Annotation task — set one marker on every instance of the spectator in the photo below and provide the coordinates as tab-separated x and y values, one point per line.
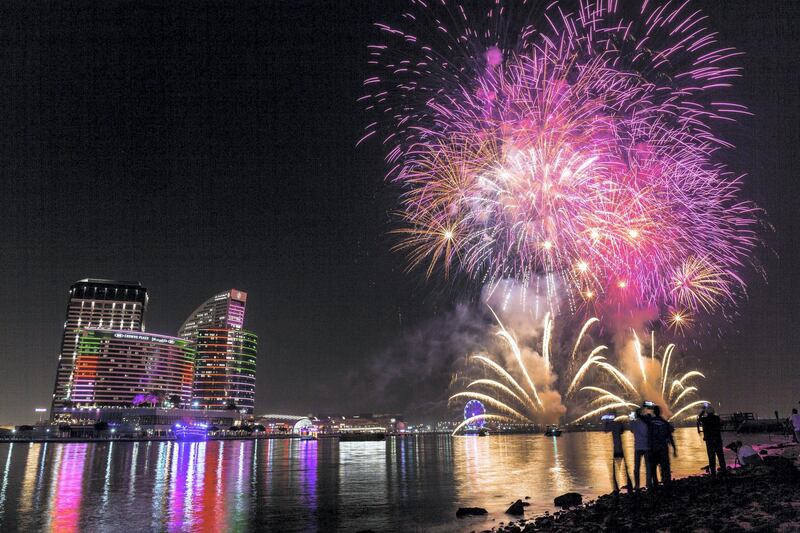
712	434
795	420
641	448
659	439
618	462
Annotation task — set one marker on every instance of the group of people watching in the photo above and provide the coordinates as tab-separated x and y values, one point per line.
652	438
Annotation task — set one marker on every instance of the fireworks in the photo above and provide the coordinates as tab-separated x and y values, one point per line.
579	149
513	400
606	386
671	391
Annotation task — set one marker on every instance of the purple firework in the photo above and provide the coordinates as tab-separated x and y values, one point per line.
578	149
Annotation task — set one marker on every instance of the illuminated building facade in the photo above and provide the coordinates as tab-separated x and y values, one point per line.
101	304
224	310
121	368
225	369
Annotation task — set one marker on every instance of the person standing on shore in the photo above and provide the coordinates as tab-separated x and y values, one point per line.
795	420
618	462
641	448
712	434
660	438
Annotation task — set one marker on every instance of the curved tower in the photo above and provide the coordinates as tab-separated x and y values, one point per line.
223	310
225	364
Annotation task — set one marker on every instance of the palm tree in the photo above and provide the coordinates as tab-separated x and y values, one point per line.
175	400
156	397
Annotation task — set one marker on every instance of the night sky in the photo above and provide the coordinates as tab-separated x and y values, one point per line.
201	147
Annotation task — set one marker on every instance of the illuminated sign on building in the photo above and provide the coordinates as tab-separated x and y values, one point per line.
139	337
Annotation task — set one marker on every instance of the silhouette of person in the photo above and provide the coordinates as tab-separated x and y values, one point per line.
660	438
618	462
641	447
712	434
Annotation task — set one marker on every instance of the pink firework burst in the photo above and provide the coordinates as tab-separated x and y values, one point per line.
578	148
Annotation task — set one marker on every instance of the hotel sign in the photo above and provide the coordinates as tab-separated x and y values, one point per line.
141	337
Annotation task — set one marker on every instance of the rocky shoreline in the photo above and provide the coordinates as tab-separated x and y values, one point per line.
765	497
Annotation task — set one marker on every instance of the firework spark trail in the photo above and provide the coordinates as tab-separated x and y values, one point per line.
638	347
504	334
585	327
516	404
632	396
508	377
579	148
486	399
592	359
515	400
476	418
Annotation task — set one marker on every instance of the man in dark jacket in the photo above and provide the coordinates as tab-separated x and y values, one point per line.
712	434
660	438
618	462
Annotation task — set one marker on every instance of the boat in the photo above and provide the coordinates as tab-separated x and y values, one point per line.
552	431
356	436
190	432
308	435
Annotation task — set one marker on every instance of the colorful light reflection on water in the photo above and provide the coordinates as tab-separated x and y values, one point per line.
290	485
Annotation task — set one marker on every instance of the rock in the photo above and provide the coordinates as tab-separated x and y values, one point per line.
527	497
516	508
526	504
782	468
570	499
470	511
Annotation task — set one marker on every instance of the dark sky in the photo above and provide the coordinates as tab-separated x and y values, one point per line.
201	147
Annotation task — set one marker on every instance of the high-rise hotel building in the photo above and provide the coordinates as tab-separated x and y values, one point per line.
114	367
95	304
225	362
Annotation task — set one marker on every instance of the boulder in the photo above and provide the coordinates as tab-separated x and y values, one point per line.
570	499
470	511
517	508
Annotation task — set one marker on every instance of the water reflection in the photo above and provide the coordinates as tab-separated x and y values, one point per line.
67	488
411	483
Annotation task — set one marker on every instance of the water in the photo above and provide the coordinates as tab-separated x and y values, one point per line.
404	484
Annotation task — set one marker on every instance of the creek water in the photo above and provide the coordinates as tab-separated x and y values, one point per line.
413	483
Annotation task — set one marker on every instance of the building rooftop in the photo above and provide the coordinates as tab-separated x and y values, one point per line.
109	282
